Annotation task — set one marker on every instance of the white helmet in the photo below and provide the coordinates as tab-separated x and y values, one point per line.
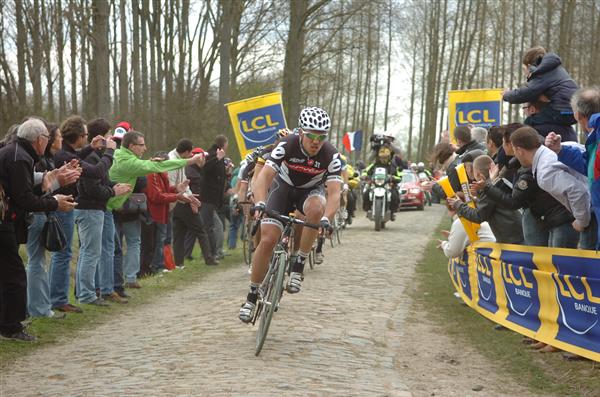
314	119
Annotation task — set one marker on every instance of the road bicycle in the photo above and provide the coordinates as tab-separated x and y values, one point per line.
270	290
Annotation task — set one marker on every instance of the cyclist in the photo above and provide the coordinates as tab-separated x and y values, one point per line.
294	177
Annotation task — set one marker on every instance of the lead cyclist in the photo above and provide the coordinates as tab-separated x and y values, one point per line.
294	178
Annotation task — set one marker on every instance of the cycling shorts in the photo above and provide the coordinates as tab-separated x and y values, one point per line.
285	199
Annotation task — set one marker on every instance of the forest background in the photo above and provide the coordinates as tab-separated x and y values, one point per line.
169	66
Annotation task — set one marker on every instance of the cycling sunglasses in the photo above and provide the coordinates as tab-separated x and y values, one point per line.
312	136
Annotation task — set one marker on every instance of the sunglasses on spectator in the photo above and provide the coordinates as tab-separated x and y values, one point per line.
315	137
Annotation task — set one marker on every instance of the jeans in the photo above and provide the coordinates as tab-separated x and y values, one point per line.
60	265
534	232
13	284
132	231
158	259
563	236
89	224
589	237
38	287
208	215
106	265
118	281
236	221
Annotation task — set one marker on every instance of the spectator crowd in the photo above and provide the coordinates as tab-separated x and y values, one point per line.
85	187
533	183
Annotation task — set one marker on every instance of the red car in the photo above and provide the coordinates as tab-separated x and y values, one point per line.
411	193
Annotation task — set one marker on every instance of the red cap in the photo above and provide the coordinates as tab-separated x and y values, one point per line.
120	130
197	150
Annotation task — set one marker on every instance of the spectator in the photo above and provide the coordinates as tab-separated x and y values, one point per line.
17	161
504	222
38	285
507	164
74	132
457	237
213	189
466	144
564	183
187	219
546	222
160	195
530	109
586	106
118	280
494	142
547	81
89	217
127	167
479	135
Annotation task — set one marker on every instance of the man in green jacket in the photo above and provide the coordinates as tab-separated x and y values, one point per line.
126	168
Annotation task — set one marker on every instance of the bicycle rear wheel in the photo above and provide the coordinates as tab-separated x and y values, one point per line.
270	300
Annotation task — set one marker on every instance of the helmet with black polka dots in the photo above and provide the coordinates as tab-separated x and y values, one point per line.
314	119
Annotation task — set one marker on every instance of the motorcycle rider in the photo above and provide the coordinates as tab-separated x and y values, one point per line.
383	160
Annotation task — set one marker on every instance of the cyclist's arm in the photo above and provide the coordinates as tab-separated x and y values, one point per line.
334	189
257	168
263	181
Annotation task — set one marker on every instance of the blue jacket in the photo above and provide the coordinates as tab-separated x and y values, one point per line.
584	161
548	78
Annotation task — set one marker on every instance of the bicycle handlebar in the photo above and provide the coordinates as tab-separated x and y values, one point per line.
287	219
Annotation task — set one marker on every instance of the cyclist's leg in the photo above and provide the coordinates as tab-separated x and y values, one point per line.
270	232
312	204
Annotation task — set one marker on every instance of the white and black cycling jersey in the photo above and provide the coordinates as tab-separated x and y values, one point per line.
296	168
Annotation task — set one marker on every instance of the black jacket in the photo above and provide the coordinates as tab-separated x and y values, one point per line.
17	162
504	221
566	132
93	193
213	185
548	78
194	173
461	152
527	194
99	170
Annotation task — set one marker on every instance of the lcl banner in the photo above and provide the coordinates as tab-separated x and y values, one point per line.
480	108
256	121
549	294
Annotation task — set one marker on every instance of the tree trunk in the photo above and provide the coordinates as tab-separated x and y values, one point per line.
123	81
225	65
21	51
294	51
101	58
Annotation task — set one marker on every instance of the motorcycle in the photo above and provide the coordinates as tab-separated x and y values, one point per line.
380	194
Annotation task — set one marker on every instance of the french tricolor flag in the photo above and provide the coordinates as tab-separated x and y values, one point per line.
352	141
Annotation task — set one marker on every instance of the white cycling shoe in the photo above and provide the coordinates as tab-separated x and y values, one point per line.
295	283
247	311
319	257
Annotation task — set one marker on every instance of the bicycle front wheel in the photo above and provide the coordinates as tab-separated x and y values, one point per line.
271	300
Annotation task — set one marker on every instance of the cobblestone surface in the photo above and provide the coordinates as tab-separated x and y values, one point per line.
342	335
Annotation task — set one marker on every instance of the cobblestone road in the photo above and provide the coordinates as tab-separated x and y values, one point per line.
343	335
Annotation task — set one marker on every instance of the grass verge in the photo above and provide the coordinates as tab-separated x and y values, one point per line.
543	373
49	331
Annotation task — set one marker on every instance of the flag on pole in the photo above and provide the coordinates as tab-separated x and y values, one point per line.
352	141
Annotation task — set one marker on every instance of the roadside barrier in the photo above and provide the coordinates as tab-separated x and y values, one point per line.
548	294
